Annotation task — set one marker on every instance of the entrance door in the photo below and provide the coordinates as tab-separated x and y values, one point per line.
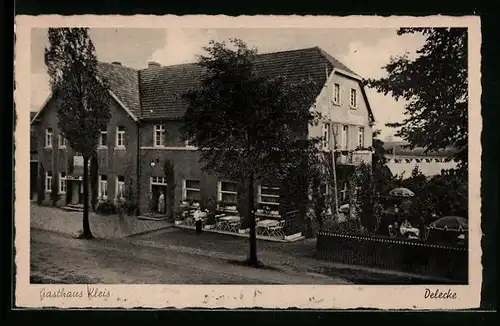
158	187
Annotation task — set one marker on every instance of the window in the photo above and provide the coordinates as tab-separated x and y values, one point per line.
227	192
103	138
353	98
159	180
48	181
343	193
344	137
120	136
336	93
103	186
61	141
120	187
62	182
324	189
269	196
361	137
159	136
48	137
191	190
326	136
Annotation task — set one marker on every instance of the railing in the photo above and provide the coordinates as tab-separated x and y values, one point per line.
354	157
406	256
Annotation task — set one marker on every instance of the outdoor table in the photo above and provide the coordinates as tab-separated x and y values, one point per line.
227	220
265	224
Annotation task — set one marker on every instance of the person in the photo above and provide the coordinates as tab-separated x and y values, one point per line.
161	203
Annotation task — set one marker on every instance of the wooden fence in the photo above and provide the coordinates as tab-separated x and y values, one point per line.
406	256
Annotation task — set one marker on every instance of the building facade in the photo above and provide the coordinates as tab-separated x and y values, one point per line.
402	160
145	132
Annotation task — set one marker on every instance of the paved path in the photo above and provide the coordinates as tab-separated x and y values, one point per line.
56	258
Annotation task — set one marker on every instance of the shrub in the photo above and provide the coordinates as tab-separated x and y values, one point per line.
106	208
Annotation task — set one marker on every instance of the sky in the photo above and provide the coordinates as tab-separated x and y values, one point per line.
363	50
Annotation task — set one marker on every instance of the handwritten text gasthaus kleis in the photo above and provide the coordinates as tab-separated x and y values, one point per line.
90	292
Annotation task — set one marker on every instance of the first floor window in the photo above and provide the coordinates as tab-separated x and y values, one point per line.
103	186
227	192
62	182
343	193
269	196
336	93
354	98
361	137
191	190
48	181
344	136
120	136
326	136
159	181
48	137
103	138
120	187
62	141
159	136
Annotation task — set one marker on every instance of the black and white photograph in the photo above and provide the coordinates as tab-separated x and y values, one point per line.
326	158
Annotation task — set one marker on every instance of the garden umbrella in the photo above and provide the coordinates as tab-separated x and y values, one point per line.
450	223
401	192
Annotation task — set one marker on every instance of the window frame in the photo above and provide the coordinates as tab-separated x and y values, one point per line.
117	188
118	133
327	138
48	137
159	128
345	137
355	105
63	181
100	183
48	181
185	189
103	132
337	100
260	195
220	192
61	141
361	137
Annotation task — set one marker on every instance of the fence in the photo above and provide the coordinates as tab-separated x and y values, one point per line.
406	256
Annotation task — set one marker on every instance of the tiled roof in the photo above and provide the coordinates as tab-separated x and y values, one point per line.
123	82
162	87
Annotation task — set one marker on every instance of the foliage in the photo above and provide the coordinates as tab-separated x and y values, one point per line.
435	86
82	96
41	185
106	208
129	204
382	175
248	125
94	179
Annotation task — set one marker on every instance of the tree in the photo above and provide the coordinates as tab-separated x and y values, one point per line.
435	86
247	125
82	97
382	175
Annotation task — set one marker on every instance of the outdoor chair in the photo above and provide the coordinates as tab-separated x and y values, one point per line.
277	230
218	223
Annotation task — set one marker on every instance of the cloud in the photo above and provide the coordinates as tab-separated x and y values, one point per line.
40	90
368	60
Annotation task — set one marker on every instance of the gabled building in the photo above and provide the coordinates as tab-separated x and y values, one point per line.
144	131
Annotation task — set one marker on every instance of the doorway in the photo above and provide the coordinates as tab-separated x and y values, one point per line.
158	187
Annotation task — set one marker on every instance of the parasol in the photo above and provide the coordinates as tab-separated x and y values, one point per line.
450	223
401	192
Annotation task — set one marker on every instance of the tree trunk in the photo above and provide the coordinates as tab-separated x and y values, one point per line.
87	234
252	259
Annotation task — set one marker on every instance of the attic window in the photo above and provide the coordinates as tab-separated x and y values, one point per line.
353	99
336	93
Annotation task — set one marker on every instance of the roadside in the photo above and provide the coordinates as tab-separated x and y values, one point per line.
57	258
297	257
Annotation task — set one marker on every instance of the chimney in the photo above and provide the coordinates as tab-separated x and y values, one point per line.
116	63
153	64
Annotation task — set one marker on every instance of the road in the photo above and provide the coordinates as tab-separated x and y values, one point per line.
57	258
